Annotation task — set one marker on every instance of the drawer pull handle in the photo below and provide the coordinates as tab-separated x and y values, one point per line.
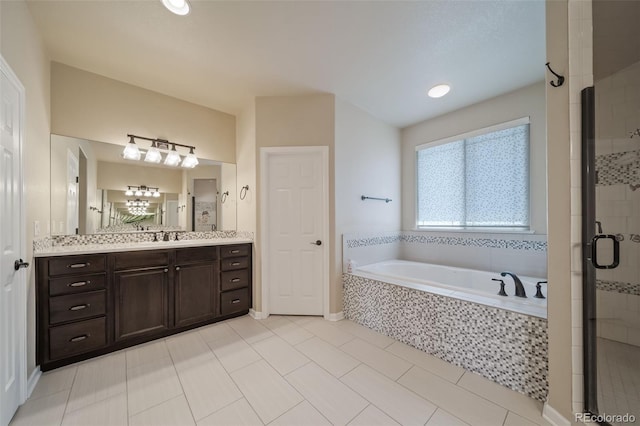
235	280
177	268
79	307
234	301
235	251
166	270
79	265
235	264
79	284
79	338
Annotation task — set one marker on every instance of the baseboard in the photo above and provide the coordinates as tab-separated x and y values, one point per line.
335	317
258	315
552	415
33	381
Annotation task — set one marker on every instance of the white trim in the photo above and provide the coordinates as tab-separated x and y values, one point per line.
258	315
552	415
338	316
33	381
264	155
21	276
478	132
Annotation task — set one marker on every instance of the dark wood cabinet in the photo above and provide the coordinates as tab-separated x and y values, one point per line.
90	305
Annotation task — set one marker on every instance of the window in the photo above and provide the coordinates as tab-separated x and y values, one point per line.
480	179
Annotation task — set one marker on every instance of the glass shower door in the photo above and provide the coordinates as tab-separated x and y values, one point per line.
611	236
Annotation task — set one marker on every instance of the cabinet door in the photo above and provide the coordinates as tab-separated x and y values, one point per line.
142	306
196	290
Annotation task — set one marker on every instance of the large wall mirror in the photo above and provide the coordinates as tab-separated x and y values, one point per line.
89	181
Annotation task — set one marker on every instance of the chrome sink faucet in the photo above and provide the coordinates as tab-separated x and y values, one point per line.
519	287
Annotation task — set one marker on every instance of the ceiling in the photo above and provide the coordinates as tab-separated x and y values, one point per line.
381	56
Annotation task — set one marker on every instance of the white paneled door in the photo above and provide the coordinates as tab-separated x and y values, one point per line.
295	259
12	276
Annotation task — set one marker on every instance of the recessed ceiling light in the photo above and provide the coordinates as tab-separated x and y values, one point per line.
179	7
438	91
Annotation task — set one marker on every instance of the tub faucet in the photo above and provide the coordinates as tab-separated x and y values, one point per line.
519	287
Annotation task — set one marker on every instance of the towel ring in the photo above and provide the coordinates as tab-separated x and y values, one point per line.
225	194
243	192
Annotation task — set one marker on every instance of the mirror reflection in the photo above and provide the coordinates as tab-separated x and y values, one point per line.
93	190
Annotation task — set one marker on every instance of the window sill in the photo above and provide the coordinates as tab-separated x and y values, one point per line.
476	230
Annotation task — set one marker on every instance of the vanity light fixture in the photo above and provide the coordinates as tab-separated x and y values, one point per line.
172	158
131	151
142	191
154	153
179	7
439	91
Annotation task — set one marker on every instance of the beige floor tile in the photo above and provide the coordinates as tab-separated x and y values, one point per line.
466	405
267	392
427	362
174	412
303	319
281	355
110	412
188	349
365	333
98	380
239	413
396	401
54	381
328	356
292	333
148	352
151	384
327	332
336	401
372	416
249	329
505	397
47	410
376	358
208	387
215	332
301	414
442	418
233	352
515	420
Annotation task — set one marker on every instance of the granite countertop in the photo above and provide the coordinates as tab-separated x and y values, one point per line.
147	245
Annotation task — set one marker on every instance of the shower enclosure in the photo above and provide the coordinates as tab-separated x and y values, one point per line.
611	244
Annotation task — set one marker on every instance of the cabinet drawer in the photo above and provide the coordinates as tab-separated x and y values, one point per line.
231	280
76	338
141	259
77	264
77	306
196	254
234	301
76	284
234	263
235	250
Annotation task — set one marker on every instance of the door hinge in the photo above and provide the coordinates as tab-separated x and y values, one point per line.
77	179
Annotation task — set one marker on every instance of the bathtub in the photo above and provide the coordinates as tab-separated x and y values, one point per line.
466	284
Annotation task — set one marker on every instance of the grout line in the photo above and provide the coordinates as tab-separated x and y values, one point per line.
173	363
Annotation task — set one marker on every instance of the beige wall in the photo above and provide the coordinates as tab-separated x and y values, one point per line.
559	306
22	48
90	106
367	162
526	102
298	121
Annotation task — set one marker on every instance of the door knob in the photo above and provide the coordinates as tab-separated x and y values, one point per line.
316	243
20	264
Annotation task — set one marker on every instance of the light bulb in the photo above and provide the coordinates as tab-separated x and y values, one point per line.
173	158
190	160
179	7
147	193
156	194
128	193
138	193
438	91
153	154
131	151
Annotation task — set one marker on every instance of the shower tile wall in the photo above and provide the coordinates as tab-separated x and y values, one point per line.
618	202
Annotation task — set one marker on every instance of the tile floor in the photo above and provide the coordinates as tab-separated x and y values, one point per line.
279	371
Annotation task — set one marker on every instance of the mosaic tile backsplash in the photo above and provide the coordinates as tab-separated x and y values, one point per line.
505	347
130	237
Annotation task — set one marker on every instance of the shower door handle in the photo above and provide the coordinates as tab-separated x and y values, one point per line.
594	251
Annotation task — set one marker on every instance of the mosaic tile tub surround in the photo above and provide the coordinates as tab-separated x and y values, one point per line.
525	254
506	347
41	244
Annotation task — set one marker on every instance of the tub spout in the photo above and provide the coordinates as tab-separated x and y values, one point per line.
519	287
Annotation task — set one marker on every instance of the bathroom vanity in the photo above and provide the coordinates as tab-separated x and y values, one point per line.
91	300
